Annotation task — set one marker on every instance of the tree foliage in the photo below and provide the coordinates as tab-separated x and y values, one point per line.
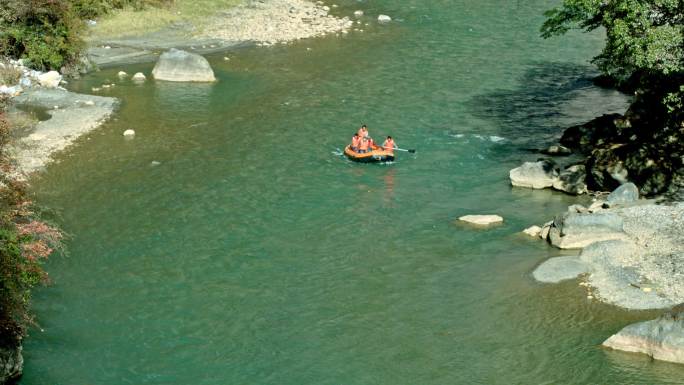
642	36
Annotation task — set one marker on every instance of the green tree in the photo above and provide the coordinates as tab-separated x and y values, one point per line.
642	36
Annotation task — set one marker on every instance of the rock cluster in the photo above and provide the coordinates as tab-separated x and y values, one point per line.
276	21
28	78
632	251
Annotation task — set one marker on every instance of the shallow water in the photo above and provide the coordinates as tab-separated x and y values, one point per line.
229	244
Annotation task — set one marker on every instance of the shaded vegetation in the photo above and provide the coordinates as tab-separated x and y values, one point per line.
25	243
644	54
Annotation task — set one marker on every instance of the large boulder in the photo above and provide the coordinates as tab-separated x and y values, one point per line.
661	338
535	175
572	180
573	230
181	66
625	194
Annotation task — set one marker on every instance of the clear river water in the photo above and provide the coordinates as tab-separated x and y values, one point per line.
230	243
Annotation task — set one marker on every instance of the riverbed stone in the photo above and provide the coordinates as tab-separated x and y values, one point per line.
661	338
559	269
182	66
535	175
573	230
384	19
557	150
481	220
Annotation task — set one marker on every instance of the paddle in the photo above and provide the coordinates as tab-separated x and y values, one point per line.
412	151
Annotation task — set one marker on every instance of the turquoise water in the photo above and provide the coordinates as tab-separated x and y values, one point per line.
250	252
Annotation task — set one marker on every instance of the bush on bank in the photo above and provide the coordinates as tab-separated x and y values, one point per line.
47	33
25	243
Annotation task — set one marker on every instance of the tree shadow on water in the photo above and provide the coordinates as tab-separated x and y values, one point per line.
533	113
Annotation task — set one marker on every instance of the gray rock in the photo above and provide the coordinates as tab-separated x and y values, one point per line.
11	364
384	19
572	230
572	180
625	194
535	175
533	231
181	66
559	269
661	338
544	234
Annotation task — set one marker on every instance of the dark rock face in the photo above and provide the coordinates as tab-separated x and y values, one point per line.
572	180
639	147
11	364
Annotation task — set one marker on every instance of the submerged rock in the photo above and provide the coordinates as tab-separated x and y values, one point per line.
181	66
559	269
661	338
535	175
481	220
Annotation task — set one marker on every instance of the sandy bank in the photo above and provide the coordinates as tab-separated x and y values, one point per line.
255	22
70	116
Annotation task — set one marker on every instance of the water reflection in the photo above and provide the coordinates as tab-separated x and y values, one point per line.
181	99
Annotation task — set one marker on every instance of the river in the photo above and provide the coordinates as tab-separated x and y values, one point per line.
230	243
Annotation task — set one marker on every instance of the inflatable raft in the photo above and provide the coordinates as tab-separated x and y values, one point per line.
377	155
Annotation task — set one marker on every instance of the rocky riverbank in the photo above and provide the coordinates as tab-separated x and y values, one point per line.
255	22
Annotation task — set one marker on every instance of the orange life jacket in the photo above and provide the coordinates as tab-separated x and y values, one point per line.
389	145
363	144
355	141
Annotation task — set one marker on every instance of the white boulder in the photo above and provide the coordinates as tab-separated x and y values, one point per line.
481	220
139	76
181	66
384	19
535	175
50	79
129	133
358	13
122	74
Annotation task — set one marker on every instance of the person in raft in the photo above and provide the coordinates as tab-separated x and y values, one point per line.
363	131
364	145
389	145
356	140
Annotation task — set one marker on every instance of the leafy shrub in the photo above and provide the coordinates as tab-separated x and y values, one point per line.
45	32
